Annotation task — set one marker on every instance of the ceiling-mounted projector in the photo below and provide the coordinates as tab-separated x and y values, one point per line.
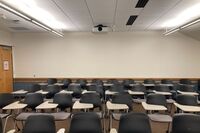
100	28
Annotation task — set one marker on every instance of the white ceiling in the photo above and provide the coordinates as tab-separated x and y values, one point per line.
83	15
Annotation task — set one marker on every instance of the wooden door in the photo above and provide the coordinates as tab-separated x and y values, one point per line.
6	69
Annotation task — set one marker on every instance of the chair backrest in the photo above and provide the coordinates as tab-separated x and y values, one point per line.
72	87
117	88
76	90
82	82
92	87
1	126
185	81
85	123
97	81
186	123
149	81
123	98
93	98
52	81
134	123
166	81
112	81
140	88
156	99
186	88
198	83
33	100
186	100
63	100
66	83
52	90
5	99
35	87
40	124
97	88
162	88
127	82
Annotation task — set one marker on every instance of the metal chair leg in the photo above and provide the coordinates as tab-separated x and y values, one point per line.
168	127
5	123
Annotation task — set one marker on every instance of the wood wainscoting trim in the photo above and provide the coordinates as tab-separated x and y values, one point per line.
89	79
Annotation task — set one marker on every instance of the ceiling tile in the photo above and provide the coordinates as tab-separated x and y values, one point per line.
126	5
77	11
102	11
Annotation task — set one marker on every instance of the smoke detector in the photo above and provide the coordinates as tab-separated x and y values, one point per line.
2	16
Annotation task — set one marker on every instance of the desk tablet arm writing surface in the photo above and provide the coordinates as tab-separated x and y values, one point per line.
78	105
187	108
15	105
19	92
135	92
47	105
66	92
85	91
42	92
108	92
149	85
43	84
153	107
62	130
113	130
11	131
162	93
170	85
188	93
115	106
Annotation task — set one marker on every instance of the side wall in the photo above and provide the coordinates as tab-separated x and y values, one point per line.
84	54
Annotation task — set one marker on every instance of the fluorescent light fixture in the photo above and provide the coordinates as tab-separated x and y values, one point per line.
35	10
57	33
41	25
171	31
189	24
182	27
26	17
185	16
14	11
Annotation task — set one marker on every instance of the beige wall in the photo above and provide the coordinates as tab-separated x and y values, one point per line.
81	54
5	38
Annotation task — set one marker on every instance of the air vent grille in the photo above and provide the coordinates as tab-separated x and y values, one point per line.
131	20
141	3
